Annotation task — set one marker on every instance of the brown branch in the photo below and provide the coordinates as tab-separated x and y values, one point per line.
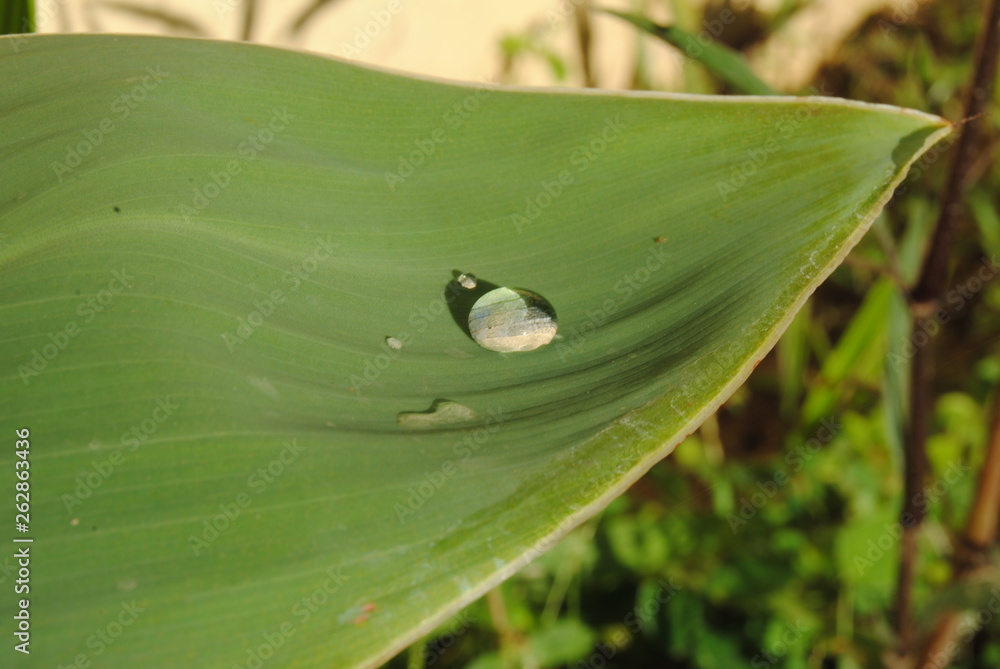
927	294
934	274
249	18
510	638
584	36
915	471
982	530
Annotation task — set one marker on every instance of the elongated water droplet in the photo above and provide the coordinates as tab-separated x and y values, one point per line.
441	414
467	281
393	343
512	319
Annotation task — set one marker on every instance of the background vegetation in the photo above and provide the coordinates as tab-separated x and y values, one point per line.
772	537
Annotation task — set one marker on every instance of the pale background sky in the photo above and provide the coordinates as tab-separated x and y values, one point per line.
460	39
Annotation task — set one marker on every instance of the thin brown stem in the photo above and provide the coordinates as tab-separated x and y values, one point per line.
584	36
926	296
249	19
934	274
915	470
509	637
983	524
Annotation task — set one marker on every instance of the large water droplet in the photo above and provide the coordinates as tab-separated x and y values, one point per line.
512	319
467	281
442	413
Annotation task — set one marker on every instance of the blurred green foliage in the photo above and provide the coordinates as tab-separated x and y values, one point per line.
17	16
770	538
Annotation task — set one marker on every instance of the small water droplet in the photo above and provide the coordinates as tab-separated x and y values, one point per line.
441	414
467	281
512	319
393	343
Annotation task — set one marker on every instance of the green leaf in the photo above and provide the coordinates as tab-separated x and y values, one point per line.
793	359
867	555
896	373
720	60
564	642
858	356
17	16
206	246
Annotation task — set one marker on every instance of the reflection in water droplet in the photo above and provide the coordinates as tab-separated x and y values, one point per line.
467	281
511	319
393	343
441	414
